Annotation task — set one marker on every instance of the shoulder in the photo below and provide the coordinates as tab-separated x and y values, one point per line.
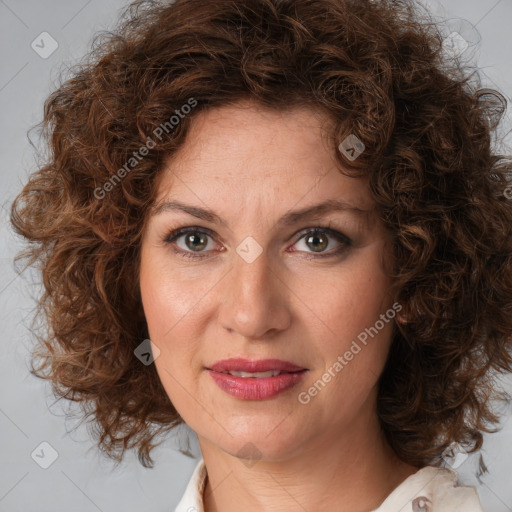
432	489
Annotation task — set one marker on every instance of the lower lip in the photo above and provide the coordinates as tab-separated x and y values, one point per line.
254	388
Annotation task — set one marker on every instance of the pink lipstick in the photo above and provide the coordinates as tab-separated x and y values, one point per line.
257	379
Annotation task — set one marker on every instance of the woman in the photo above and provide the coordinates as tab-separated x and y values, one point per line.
291	208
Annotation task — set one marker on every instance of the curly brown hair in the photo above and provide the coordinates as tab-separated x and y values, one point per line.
378	69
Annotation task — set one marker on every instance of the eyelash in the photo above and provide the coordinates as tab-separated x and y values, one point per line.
340	237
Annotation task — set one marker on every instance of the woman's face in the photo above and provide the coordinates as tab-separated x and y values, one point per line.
253	282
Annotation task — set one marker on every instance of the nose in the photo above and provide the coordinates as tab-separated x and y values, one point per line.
255	299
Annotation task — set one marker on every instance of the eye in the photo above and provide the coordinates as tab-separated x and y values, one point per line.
318	239
195	241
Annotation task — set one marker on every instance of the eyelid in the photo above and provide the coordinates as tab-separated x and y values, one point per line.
324	229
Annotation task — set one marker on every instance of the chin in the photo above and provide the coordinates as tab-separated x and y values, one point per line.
268	439
252	450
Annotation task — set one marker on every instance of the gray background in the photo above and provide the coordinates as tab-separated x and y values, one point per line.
80	479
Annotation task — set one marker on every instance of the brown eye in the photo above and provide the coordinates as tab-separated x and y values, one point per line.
195	241
317	240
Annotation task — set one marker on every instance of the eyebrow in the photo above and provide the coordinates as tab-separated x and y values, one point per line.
288	219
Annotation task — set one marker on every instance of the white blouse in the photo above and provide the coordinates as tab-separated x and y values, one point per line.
430	489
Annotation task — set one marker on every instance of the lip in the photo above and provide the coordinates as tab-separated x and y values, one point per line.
255	388
259	365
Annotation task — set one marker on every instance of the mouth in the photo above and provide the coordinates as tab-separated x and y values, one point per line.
255	380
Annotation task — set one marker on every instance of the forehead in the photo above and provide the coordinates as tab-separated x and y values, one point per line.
243	156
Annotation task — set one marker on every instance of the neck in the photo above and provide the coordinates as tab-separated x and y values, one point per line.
351	472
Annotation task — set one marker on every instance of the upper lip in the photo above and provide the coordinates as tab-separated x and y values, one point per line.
260	365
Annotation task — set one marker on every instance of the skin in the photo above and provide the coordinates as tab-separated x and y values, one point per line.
251	166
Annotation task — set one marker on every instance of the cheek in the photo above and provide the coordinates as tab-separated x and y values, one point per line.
170	295
350	298
353	337
165	308
173	301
